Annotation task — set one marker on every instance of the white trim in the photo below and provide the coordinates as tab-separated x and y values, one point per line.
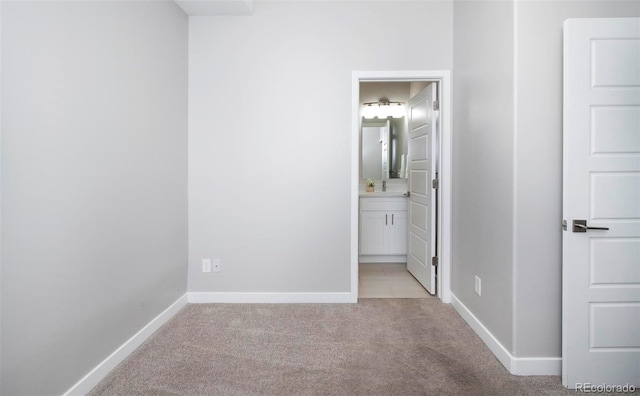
446	149
269	298
96	375
514	180
485	335
446	180
515	365
536	366
355	180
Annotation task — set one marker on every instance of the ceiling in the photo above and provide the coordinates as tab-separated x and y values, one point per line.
216	7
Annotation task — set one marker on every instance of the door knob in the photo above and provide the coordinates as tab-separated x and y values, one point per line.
581	226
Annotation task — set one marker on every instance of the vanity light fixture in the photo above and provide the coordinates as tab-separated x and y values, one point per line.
383	108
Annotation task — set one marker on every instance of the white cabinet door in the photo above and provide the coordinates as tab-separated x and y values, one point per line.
601	188
373	232
397	233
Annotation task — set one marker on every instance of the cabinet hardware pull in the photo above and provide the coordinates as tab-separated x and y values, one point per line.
392	218
385	219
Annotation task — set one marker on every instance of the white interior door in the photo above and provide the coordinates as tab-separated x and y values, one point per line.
601	187
422	197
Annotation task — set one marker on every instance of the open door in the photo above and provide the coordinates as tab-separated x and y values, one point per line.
601	203
421	251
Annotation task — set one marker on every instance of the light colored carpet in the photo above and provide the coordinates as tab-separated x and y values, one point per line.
376	347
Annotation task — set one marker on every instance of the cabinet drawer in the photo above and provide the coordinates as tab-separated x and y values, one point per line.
383	203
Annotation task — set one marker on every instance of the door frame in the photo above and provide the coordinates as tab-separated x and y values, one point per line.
443	78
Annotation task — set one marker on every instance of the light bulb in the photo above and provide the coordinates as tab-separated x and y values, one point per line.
368	112
383	111
397	111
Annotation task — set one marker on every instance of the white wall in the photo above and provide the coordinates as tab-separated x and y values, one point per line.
94	182
270	128
483	162
538	177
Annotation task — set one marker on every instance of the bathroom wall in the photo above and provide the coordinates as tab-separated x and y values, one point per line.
94	182
271	199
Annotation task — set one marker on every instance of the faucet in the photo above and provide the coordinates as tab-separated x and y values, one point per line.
384	185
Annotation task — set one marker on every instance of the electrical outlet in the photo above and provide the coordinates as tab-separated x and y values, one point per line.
478	286
217	265
206	265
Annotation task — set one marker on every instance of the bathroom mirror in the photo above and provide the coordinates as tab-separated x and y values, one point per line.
384	147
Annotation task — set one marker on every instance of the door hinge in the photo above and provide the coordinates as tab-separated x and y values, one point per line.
435	183
434	261
436	105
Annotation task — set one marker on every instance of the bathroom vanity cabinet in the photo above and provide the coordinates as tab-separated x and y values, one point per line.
383	229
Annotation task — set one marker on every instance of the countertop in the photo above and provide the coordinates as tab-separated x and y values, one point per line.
382	194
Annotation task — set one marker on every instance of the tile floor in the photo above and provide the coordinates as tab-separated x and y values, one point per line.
389	280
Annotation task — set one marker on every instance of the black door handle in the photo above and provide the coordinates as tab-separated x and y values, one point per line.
581	226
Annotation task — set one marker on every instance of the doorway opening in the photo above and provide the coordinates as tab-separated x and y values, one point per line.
442	222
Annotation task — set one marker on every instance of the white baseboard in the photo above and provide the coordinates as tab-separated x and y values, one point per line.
536	366
271	298
515	365
101	370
